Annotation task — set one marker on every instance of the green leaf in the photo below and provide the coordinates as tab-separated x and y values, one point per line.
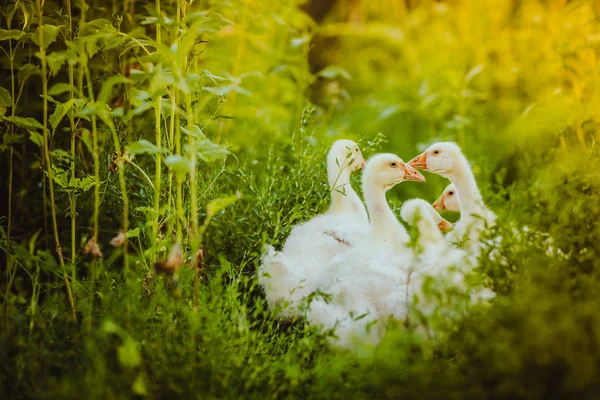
25	123
63	87
59	113
128	353
107	87
11	34
49	31
56	60
81	184
215	206
96	34
36	138
5	142
139	385
225	90
133	233
86	139
180	165
195	131
144	147
213	77
208	151
27	71
5	100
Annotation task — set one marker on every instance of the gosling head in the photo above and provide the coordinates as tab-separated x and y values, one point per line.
346	154
387	170
415	209
440	158
448	201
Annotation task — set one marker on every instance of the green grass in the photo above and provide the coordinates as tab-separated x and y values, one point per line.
218	117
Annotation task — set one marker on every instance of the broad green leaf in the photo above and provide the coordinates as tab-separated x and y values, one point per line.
55	60
133	233
215	206
86	138
128	354
59	113
201	22
5	100
81	184
107	86
195	131
180	165
5	142
225	90
27	71
36	138
96	34
63	87
27	10
25	123
11	34
49	32
213	77
208	151
144	147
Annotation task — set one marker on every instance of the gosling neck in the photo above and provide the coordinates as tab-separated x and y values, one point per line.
343	197
429	232
384	224
469	195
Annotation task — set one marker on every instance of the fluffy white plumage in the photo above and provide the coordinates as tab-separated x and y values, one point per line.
369	279
287	277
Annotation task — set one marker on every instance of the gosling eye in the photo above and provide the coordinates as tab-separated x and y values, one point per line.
356	150
450	193
436	152
393	164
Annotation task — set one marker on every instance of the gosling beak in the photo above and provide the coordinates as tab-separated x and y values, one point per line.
411	174
444	225
419	162
439	204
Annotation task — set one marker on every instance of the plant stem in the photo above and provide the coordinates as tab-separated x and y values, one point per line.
179	205
158	162
11	150
194	240
123	187
46	152
72	196
95	154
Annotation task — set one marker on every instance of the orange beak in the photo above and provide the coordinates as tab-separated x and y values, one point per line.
439	204
411	174
419	162
445	226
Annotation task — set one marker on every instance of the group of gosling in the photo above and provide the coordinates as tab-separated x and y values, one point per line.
352	269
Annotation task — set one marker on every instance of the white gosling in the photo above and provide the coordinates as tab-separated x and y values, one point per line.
434	257
448	201
367	280
287	277
447	160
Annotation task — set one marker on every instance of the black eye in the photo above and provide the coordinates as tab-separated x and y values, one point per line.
356	150
450	193
393	164
436	152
